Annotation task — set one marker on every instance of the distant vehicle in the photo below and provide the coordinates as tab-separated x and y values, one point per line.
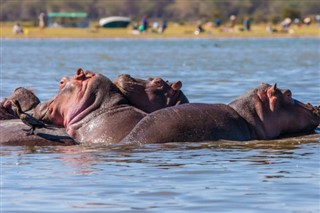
115	22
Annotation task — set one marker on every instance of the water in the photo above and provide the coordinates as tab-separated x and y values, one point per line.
256	176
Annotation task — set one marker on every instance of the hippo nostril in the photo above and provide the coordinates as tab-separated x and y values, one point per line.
316	111
125	75
158	82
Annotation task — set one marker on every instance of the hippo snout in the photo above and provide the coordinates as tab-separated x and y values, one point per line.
316	112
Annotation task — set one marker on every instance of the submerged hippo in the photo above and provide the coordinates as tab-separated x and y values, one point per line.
152	94
27	99
265	112
92	109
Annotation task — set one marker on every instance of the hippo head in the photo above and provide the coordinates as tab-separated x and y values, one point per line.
272	112
79	96
27	99
152	94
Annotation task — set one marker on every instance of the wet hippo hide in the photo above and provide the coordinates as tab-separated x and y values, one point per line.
151	94
147	95
91	108
12	134
27	99
190	123
11	128
272	112
265	112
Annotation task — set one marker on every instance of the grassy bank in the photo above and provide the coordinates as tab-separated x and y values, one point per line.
173	31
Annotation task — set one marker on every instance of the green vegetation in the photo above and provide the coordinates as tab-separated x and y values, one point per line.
172	10
182	17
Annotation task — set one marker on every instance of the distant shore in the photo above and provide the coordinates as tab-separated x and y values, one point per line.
172	32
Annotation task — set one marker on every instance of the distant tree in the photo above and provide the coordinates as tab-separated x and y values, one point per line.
310	7
290	13
172	10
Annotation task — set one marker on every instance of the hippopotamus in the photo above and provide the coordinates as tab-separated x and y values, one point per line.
272	112
27	99
265	112
151	94
12	134
11	128
93	109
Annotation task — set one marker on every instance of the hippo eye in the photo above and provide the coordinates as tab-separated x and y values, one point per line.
62	83
287	93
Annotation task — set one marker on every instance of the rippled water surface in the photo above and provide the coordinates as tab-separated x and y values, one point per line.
256	176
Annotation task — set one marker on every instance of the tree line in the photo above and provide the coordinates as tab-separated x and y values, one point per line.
171	10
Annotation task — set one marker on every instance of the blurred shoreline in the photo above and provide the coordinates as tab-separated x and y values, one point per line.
172	32
153	38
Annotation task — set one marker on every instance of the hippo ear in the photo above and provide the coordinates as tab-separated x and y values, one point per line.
79	74
177	85
274	87
273	100
80	71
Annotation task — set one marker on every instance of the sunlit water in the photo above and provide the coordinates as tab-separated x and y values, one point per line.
257	176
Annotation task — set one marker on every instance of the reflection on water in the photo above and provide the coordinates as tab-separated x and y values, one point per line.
228	176
223	176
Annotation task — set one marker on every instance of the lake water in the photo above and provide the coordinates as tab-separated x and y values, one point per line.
256	176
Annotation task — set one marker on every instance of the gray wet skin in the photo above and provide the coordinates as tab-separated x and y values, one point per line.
151	94
91	108
12	134
12	129
265	112
27	99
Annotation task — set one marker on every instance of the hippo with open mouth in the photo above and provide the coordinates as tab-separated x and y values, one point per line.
265	112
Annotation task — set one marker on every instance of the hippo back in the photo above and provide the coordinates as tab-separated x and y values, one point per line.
192	123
